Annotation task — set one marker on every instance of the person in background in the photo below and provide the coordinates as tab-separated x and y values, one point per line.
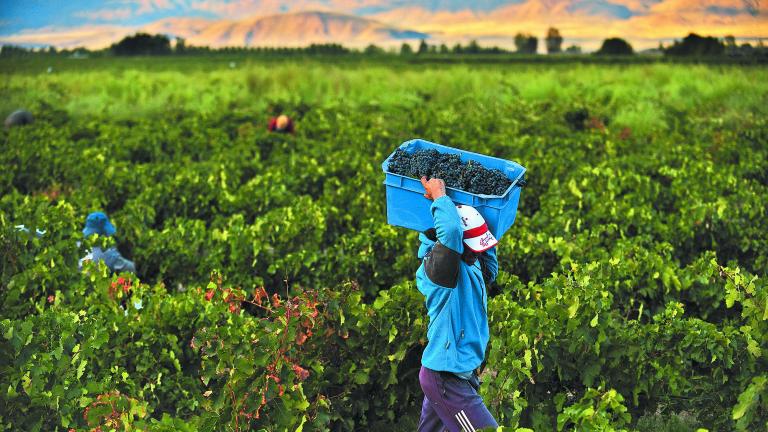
19	118
98	223
458	260
281	123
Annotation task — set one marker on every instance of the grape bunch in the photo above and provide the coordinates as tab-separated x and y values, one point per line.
471	177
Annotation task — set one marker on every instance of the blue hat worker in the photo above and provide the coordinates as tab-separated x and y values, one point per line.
98	223
458	259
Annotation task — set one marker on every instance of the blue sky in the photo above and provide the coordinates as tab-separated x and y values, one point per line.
18	15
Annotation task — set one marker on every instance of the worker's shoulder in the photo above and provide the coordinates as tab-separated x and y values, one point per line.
442	265
108	254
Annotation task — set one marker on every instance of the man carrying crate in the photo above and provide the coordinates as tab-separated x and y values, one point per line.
458	259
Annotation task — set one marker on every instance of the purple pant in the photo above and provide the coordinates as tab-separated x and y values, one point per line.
451	403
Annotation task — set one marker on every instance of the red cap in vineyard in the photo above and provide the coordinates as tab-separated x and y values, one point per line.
281	123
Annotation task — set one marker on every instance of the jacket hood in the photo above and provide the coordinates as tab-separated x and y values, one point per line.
425	246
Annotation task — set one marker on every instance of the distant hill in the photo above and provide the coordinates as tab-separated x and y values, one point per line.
294	29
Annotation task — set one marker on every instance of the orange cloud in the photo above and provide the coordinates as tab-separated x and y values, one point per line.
106	14
147	6
95	36
256	8
651	22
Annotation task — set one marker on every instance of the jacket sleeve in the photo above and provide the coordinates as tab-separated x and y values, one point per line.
117	263
87	257
490	263
448	224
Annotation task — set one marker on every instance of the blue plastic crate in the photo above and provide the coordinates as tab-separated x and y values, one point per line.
407	207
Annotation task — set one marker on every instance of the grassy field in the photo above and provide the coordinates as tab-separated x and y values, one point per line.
637	96
632	288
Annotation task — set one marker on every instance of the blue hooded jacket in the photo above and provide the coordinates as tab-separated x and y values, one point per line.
111	257
456	297
98	223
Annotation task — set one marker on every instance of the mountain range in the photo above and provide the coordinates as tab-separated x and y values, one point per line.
291	29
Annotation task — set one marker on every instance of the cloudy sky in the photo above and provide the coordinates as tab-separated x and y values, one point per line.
97	23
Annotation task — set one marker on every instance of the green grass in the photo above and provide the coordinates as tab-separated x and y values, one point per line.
642	97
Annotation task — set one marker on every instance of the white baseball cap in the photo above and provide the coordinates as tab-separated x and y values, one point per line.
477	237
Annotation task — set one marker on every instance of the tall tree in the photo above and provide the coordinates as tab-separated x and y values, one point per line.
730	45
373	49
533	44
573	49
554	41
526	43
695	45
406	49
142	44
473	47
615	46
423	47
181	45
520	40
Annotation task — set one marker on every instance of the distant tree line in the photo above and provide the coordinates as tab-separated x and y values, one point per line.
143	44
692	45
695	45
313	49
615	46
524	44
